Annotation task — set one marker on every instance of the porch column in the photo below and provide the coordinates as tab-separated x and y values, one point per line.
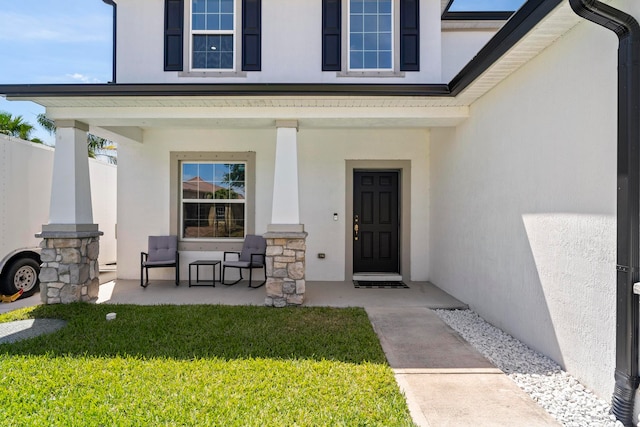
70	241
285	235
285	209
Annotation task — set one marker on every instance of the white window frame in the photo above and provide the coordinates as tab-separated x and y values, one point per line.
394	48
233	32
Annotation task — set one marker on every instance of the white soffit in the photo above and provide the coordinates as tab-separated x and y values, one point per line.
557	23
256	112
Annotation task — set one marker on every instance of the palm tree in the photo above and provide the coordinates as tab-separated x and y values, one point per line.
15	126
96	145
101	147
46	123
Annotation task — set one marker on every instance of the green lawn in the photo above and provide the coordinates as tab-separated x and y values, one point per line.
199	365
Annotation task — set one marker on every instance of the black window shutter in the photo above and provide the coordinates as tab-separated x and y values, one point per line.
251	35
331	35
173	30
409	35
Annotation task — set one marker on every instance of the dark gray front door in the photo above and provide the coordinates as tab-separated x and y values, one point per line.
375	222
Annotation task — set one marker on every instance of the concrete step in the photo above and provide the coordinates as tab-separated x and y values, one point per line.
378	277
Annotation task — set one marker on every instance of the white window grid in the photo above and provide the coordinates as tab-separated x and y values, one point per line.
393	37
211	201
193	32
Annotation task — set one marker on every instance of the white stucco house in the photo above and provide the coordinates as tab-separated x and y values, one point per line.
486	149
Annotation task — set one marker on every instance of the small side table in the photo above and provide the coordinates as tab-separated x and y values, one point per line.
197	264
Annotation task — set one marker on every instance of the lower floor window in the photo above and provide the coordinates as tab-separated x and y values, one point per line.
213	220
213	200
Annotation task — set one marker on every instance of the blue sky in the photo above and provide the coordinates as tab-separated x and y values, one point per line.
486	5
47	41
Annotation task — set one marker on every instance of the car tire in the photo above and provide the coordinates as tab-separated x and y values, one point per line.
22	274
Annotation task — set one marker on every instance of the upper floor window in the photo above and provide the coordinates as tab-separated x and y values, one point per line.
372	38
370	35
213	37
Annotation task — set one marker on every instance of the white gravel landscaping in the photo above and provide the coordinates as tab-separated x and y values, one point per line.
556	391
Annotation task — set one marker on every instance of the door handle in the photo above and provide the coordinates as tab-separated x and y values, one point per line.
355	228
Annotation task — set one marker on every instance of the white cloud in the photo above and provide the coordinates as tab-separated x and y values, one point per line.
77	77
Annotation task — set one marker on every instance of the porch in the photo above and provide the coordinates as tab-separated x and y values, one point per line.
318	293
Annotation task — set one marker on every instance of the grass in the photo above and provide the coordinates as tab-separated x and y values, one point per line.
199	366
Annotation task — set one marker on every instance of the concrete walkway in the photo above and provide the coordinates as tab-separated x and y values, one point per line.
24	329
446	381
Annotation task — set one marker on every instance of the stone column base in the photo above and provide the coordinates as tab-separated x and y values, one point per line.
70	269
285	268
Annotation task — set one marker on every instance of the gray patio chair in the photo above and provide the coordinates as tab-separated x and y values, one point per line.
252	256
163	252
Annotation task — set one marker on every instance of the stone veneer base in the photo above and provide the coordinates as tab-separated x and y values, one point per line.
285	260
70	270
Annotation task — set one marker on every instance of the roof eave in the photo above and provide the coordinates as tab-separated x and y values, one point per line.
523	21
213	89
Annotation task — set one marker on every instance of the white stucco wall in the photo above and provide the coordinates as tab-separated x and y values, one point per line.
322	155
291	46
144	200
524	201
104	200
459	47
143	186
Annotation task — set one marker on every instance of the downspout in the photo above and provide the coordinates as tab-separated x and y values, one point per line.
115	21
628	230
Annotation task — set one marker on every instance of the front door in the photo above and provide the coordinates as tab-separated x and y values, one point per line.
376	222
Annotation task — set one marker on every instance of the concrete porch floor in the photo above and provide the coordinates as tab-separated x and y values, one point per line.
445	380
331	294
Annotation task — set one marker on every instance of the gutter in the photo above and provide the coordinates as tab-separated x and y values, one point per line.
115	37
628	222
223	89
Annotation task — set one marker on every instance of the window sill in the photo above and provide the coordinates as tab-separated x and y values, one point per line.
212	74
210	246
370	74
